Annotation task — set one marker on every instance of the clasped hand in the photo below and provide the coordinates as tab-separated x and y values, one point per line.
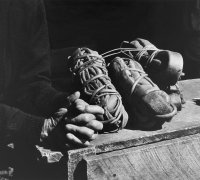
74	126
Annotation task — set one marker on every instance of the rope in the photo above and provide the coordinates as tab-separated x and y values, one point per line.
127	51
142	75
135	83
91	69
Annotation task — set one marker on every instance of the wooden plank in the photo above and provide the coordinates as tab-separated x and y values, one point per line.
185	123
172	159
74	157
190	88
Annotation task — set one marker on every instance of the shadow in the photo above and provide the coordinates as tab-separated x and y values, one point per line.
23	162
135	125
80	172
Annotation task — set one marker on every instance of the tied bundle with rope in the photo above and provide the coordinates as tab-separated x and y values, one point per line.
164	67
147	105
91	78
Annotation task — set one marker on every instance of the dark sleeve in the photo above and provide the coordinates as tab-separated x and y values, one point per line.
15	125
35	75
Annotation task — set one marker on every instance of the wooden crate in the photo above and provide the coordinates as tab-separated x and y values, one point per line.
169	153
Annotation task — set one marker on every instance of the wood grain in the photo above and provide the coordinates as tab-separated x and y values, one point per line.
185	124
172	159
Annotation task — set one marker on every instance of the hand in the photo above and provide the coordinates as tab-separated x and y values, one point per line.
83	127
72	129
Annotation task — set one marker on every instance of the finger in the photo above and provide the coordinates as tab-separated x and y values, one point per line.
145	42
62	110
136	44
95	125
80	131
72	98
72	139
94	109
84	107
80	105
74	142
88	120
82	119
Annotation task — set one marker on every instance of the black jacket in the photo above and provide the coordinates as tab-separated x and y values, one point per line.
24	70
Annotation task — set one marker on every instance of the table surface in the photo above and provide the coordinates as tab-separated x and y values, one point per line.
186	122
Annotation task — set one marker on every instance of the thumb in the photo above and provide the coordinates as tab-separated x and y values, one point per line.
72	98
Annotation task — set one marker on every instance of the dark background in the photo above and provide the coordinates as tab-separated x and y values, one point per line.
103	24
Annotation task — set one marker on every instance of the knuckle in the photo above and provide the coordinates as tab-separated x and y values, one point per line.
80	107
87	131
79	101
93	124
90	133
97	125
87	117
87	108
81	104
84	117
94	136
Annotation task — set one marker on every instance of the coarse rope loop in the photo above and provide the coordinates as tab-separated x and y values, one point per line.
91	70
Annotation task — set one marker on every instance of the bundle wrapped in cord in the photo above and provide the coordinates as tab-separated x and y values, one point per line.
147	105
164	67
91	78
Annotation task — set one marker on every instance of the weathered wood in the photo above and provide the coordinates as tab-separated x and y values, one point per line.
75	156
190	88
185	123
171	159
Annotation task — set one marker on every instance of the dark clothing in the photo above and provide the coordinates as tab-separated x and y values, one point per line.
24	70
